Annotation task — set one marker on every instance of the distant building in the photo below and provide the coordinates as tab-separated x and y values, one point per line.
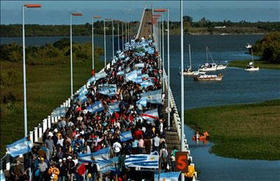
220	27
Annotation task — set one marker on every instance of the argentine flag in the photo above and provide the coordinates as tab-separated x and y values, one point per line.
96	107
107	165
60	111
142	161
125	136
153	97
19	147
167	176
93	157
150	115
108	89
114	107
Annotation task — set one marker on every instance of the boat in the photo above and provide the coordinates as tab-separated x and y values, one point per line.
250	67
206	77
208	67
248	46
189	71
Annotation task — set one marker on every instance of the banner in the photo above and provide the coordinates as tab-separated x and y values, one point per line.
107	165
142	161
96	107
60	111
19	147
125	136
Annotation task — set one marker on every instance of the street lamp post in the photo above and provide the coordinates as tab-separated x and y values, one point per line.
104	21
92	40
118	35
24	67
122	36
71	51
168	62
113	42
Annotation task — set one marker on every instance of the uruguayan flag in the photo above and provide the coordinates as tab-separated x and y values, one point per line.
114	107
150	115
93	157
96	107
19	147
167	176
125	136
108	89
142	161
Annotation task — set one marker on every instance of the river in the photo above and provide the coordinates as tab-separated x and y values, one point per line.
237	86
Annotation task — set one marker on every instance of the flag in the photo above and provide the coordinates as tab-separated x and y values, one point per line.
59	111
97	76
120	73
153	97
167	176
142	101
99	155
142	161
107	165
19	147
108	89
146	83
114	107
2	176
131	75
150	115
96	107
125	136
139	65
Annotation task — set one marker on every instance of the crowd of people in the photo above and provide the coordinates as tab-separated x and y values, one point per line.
108	106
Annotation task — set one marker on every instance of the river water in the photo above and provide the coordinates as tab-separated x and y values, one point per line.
237	86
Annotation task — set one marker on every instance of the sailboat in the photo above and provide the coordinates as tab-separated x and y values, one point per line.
250	67
207	67
189	71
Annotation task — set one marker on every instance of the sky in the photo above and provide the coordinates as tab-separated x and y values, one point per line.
57	12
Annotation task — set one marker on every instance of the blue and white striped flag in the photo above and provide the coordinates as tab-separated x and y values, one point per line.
114	107
139	65
146	83
107	165
59	111
97	76
96	107
153	97
99	155
108	89
167	176
142	161
131	75
19	147
125	136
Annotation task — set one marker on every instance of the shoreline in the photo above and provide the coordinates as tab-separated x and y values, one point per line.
243	126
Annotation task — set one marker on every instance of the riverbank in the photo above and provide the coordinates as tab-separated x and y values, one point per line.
258	63
243	131
48	85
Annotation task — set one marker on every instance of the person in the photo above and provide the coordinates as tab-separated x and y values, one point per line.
190	173
53	172
43	167
156	141
117	148
50	145
62	166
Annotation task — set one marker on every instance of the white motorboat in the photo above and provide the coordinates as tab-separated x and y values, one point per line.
248	46
251	67
205	77
209	67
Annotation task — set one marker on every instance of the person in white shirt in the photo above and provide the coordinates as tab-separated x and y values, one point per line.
117	148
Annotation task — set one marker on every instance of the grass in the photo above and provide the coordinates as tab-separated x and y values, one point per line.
258	63
47	87
245	131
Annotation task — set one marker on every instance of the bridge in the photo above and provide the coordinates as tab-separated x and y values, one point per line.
173	134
